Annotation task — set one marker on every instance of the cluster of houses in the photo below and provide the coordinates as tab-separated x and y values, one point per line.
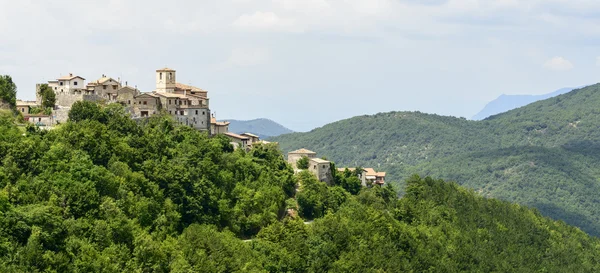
189	105
321	168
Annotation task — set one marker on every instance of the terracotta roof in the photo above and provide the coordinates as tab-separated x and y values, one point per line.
233	135
171	95
146	94
368	171
26	103
318	160
302	151
102	80
218	123
166	69
188	87
250	134
69	77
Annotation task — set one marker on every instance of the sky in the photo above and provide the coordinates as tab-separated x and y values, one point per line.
306	63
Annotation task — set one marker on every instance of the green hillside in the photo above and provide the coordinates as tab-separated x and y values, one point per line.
262	127
102	193
545	155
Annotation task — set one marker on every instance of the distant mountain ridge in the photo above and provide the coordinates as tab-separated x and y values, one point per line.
544	155
509	102
262	127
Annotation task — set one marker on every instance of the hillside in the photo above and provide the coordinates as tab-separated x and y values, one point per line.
508	102
262	127
543	155
102	193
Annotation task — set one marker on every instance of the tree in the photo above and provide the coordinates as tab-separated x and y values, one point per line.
83	110
302	163
48	96
8	91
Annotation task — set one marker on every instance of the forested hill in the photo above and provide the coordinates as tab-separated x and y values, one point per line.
102	193
262	127
506	103
544	155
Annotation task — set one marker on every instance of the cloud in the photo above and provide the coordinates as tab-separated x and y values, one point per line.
558	64
265	21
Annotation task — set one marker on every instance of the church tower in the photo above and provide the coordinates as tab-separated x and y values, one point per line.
165	80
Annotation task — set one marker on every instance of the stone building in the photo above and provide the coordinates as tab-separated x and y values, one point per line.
294	156
218	127
238	141
187	104
319	167
25	106
105	87
368	176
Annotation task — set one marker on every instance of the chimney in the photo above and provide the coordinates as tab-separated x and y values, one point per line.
70	74
125	83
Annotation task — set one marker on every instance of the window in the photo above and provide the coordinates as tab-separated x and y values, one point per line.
203	113
75	83
185	102
23	110
196	112
129	102
61	83
104	87
55	88
170	76
169	102
160	75
114	87
181	113
145	102
170	113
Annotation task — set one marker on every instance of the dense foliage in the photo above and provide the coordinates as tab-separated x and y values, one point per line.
102	193
543	155
48	96
8	91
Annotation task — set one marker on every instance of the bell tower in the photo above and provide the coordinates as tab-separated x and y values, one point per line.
165	80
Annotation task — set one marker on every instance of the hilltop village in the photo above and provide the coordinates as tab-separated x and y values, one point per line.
189	105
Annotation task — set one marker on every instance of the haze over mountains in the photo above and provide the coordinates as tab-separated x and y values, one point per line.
262	127
543	155
509	102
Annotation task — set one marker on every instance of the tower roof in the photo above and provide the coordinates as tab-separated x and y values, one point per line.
166	69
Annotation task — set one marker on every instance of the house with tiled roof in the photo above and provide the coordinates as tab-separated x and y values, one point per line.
189	105
321	168
368	176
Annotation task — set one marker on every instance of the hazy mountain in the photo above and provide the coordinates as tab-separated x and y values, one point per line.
262	127
508	102
544	155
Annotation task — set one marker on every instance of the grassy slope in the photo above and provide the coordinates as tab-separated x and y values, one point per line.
544	155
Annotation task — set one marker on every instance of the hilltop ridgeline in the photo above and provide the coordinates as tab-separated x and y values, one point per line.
102	193
543	155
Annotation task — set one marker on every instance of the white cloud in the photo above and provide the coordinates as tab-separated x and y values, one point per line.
265	21
558	64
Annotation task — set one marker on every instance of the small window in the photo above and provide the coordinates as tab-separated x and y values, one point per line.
23	110
185	102
145	102
61	83
55	88
74	83
170	76
160	75
104	87
170	112
203	113
181	113
169	101
114	87
196	112
129	102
